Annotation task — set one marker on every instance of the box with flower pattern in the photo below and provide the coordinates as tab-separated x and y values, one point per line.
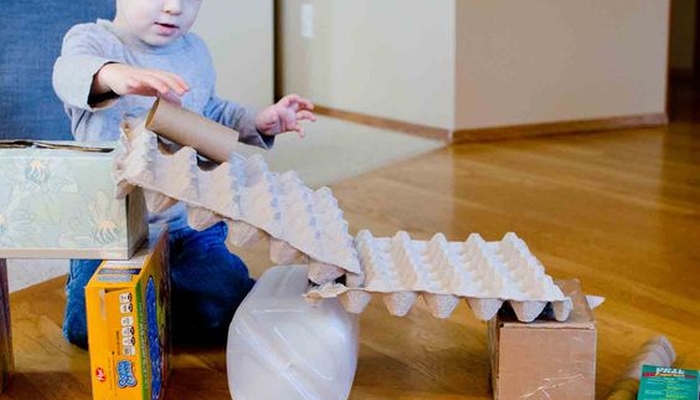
57	200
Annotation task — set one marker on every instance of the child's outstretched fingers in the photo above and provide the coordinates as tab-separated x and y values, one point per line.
171	97
305	115
124	79
174	82
299	102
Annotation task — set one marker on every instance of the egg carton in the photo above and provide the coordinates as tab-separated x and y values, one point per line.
301	223
256	204
485	274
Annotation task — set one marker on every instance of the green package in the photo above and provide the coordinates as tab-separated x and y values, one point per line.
664	383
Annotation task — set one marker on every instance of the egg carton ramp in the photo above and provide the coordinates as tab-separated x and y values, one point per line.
308	225
256	204
485	274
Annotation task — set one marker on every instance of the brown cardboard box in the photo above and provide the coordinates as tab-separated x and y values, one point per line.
6	357
545	359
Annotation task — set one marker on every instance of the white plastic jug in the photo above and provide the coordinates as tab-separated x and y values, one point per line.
282	348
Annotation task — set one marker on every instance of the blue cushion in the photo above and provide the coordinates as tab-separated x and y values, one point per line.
32	32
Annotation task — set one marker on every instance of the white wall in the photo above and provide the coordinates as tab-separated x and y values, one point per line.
549	61
239	34
389	58
468	64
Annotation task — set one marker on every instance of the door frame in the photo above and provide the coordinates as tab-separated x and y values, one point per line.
696	63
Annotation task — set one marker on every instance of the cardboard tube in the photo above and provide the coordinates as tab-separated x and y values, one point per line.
210	139
658	352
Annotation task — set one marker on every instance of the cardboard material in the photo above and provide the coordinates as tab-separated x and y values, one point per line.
212	140
301	223
128	305
443	272
6	355
545	359
256	204
57	200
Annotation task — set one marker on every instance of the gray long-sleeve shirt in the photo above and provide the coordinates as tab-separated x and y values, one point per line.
87	47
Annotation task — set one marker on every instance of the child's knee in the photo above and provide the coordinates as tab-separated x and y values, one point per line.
81	271
75	325
74	320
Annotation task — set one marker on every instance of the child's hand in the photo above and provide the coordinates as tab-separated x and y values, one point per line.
284	116
124	79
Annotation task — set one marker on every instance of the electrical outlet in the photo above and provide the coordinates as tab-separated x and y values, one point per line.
307	20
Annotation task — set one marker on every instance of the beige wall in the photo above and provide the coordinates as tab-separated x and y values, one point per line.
683	34
389	58
464	64
541	61
240	37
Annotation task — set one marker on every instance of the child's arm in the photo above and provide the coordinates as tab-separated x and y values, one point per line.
259	128
84	78
73	73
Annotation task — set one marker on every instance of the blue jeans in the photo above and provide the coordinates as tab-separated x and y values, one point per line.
207	285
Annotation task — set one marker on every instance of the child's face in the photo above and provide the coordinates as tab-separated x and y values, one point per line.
156	22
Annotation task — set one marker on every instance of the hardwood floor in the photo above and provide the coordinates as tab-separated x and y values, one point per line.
618	210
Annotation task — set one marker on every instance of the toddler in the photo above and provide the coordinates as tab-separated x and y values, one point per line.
112	69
